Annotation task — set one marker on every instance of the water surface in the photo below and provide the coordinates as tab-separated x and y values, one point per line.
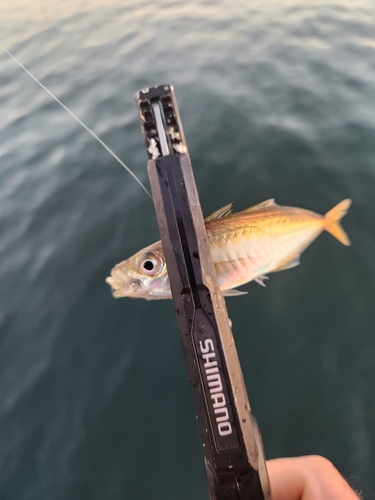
277	101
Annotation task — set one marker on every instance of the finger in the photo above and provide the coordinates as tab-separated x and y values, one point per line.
307	478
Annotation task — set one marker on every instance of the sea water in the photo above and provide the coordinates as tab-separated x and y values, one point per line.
277	101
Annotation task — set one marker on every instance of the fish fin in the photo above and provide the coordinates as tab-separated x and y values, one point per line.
221	212
233	293
261	206
287	264
333	218
260	279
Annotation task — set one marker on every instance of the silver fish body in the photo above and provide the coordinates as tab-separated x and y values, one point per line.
245	246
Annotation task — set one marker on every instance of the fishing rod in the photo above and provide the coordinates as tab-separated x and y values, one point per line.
232	445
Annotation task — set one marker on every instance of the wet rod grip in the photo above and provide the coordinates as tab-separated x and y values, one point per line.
232	445
233	452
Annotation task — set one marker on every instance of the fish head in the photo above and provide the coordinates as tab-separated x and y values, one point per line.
144	275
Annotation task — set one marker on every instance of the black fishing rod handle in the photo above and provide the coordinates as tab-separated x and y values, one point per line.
232	447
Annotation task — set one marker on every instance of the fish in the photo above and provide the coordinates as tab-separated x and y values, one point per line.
245	246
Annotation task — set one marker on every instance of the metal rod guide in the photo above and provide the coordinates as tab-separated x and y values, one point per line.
232	445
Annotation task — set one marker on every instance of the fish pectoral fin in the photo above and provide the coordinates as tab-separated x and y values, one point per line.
261	206
233	293
287	264
221	212
260	279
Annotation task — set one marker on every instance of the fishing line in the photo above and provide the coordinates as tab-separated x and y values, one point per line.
80	122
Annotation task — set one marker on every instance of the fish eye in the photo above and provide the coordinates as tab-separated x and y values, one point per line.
151	264
148	265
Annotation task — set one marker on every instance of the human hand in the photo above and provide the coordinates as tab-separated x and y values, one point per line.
307	478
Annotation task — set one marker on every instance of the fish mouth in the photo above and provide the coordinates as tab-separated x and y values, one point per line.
127	289
113	283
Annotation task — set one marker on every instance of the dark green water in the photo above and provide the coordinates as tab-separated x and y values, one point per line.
277	100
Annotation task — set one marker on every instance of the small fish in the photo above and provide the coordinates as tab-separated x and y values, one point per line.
245	246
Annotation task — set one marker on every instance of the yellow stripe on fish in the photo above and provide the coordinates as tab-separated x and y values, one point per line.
245	246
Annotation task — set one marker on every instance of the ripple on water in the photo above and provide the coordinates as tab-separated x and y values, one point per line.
276	101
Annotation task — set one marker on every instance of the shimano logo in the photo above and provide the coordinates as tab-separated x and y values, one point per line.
215	385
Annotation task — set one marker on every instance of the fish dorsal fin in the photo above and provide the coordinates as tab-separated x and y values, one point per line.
261	206
222	212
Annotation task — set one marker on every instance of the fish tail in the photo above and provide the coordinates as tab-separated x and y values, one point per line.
333	218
